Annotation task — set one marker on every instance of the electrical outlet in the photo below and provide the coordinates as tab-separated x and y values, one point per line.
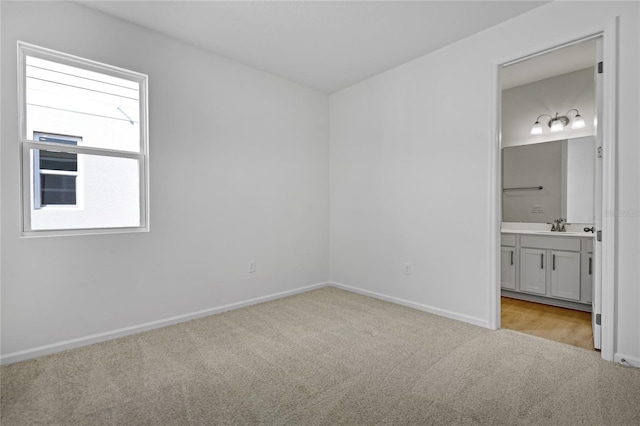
252	266
406	268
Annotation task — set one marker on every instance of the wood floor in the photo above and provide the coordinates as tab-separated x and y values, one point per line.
553	323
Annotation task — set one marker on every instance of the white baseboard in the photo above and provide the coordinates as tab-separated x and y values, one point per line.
419	306
626	360
26	354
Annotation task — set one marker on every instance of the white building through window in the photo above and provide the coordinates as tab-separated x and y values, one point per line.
84	145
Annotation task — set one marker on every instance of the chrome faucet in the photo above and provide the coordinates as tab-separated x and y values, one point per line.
558	225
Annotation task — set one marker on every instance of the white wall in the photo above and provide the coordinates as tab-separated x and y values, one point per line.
410	163
239	172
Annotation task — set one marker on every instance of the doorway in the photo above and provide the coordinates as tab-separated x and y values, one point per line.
601	264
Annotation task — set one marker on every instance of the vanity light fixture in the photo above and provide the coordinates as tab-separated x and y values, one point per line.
558	123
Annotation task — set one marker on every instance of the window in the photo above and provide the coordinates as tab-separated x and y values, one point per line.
83	132
55	174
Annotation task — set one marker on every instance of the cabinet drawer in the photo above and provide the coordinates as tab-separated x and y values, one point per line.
508	240
550	242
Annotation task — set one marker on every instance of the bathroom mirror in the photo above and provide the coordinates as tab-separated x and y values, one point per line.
545	181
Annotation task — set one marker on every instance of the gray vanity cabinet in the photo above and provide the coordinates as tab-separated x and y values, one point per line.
550	269
550	266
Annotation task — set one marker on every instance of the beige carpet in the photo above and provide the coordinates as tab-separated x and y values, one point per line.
322	357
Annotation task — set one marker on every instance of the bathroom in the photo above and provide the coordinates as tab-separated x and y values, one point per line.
551	194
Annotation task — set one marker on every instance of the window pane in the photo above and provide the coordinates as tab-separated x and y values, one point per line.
67	140
57	189
107	195
50	160
63	99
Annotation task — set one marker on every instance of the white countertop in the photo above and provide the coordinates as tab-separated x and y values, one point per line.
574	230
549	233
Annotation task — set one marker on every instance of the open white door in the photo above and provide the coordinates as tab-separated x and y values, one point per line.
596	303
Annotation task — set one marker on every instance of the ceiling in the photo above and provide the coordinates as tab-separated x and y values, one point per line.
326	45
574	57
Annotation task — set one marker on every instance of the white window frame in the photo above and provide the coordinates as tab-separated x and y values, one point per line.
28	144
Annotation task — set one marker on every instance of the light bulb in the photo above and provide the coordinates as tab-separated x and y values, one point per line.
536	129
556	125
578	122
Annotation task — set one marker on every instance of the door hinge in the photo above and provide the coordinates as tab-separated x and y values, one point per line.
598	319
599	235
599	152
600	67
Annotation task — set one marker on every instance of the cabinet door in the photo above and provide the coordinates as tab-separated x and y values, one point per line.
533	272
565	274
508	268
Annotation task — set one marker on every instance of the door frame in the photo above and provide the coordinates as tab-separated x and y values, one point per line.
609	130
